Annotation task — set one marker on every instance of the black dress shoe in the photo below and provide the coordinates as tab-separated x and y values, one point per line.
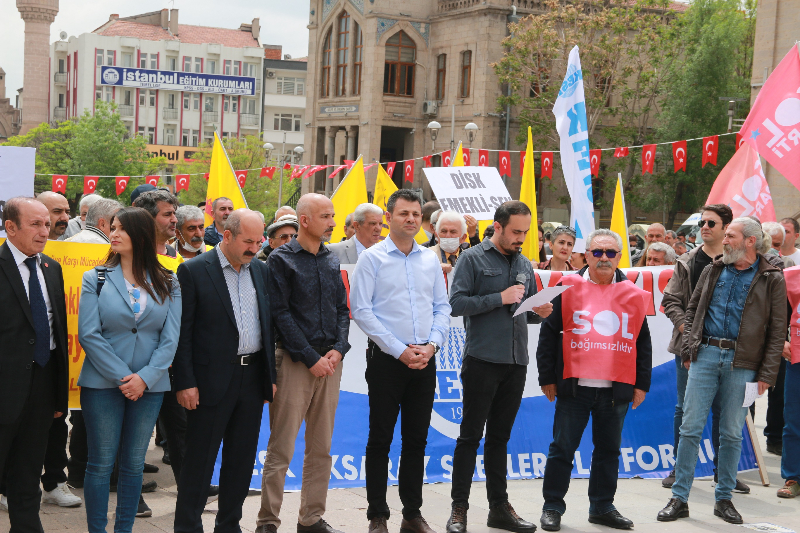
675	509
320	527
550	520
740	487
378	525
457	523
415	525
149	486
165	458
503	516
668	481
775	448
150	469
611	519
213	490
725	510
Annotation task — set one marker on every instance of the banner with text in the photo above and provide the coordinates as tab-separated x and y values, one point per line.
475	191
17	165
169	80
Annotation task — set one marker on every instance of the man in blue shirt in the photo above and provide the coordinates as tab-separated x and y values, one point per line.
399	299
221	208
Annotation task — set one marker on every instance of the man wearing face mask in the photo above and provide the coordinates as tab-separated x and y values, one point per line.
190	231
451	233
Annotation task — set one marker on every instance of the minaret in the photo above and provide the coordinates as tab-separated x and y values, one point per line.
38	16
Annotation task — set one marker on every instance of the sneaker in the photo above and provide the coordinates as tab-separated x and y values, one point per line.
143	510
3	503
62	497
790	490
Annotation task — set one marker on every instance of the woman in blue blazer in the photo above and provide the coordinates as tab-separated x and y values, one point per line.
129	325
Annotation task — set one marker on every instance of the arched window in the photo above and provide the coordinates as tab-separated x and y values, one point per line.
358	59
398	72
441	75
342	48
466	71
327	51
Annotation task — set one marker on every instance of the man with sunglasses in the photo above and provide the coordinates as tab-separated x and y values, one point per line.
714	219
279	233
562	359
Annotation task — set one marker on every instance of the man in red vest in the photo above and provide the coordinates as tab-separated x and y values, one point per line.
595	354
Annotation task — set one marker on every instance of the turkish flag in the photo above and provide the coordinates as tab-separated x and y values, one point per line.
739	141
621	151
594	161
679	155
547	165
773	126
267	171
466	157
710	147
505	163
89	184
287	166
483	158
408	170
336	171
182	182
299	171
792	276
741	185
446	158
122	182
60	183
315	169
241	177
427	159
521	162
152	180
206	176
390	168
648	158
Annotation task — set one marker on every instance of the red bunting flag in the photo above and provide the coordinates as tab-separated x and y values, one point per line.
521	162
60	183
679	155
287	166
267	171
446	159
314	170
241	177
648	158
594	161
621	152
152	180
122	182
206	176
298	172
739	141
337	170
547	165
483	158
427	159
710	147
505	163
466	158
89	184
408	170
390	168
182	182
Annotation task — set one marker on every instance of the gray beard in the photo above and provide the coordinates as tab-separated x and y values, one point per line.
731	255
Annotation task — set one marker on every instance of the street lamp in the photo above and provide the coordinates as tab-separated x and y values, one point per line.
434	127
471	130
299	150
268	148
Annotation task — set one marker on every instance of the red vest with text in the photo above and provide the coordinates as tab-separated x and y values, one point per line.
792	276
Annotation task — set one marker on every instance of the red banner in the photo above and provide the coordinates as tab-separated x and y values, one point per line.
408	170
505	163
427	160
241	177
267	171
122	182
679	155
594	161
601	325
739	141
467	158
621	151
792	276
521	162
60	183
314	170
710	148
336	171
446	159
152	180
390	168
89	184
182	182
648	158
483	158
741	185
547	165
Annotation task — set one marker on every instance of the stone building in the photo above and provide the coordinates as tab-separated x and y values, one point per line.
285	93
777	30
38	16
9	115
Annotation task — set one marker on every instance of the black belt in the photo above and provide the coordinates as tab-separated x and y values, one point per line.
725	344
244	360
322	350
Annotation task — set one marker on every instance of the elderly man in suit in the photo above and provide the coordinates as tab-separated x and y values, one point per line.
98	222
367	224
34	379
224	370
451	238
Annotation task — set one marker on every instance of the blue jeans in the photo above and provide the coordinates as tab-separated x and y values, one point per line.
682	377
712	376
116	424
790	460
571	418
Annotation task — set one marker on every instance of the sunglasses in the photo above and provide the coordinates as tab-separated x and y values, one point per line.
711	223
285	236
136	295
611	254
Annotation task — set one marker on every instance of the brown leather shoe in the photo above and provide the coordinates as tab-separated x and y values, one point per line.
378	525
415	525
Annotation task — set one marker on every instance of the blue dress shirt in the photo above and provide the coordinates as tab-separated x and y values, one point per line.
724	313
399	300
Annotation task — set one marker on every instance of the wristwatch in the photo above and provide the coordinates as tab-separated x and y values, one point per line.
436	347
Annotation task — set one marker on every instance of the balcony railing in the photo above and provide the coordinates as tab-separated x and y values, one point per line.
125	110
258	85
60	78
60	113
170	114
246	119
210	116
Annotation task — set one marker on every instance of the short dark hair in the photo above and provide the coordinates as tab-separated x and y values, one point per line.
430	207
216	201
795	224
406	194
12	211
513	207
149	200
723	211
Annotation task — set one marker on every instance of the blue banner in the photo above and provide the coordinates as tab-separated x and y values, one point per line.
169	80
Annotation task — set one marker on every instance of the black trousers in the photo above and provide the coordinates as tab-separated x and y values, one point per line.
173	421
394	387
78	447
492	395
55	459
23	445
237	420
774	428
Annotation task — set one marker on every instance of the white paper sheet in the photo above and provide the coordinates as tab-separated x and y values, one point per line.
540	298
750	394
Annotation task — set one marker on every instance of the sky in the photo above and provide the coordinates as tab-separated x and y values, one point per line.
282	22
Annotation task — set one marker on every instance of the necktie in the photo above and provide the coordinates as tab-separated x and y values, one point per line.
41	353
452	259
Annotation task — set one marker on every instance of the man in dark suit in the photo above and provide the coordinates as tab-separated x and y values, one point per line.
224	370
33	357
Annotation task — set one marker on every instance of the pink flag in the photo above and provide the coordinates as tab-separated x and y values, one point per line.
773	125
742	186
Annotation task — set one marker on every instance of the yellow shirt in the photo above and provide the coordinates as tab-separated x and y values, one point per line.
170	263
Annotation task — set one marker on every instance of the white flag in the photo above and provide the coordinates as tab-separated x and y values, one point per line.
570	113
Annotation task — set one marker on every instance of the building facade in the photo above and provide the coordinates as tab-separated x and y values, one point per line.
285	92
38	16
10	115
156	45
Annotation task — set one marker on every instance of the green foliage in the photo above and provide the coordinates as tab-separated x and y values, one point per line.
52	150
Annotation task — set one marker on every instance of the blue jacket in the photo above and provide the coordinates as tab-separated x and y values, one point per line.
211	237
116	345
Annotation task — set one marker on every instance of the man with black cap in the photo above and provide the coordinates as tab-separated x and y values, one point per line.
279	232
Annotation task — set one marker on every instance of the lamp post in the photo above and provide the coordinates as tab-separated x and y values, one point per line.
268	148
434	127
472	130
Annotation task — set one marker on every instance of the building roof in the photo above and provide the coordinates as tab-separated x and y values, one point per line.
286	64
187	33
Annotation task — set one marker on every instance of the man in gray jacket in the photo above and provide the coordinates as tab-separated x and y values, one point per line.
98	222
367	223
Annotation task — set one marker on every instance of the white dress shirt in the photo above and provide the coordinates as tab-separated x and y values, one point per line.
25	273
359	247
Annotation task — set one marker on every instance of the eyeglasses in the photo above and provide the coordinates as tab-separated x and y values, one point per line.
611	254
136	293
285	236
711	223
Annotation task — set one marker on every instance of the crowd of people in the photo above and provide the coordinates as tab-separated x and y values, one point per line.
190	330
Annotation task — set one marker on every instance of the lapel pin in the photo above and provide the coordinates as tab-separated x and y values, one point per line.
45	265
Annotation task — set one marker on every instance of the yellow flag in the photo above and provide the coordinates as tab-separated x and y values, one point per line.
530	248
619	223
458	157
222	181
351	192
384	187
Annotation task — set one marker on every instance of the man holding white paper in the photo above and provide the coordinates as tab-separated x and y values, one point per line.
490	281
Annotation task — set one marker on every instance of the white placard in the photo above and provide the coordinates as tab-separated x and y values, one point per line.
542	297
475	191
17	167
